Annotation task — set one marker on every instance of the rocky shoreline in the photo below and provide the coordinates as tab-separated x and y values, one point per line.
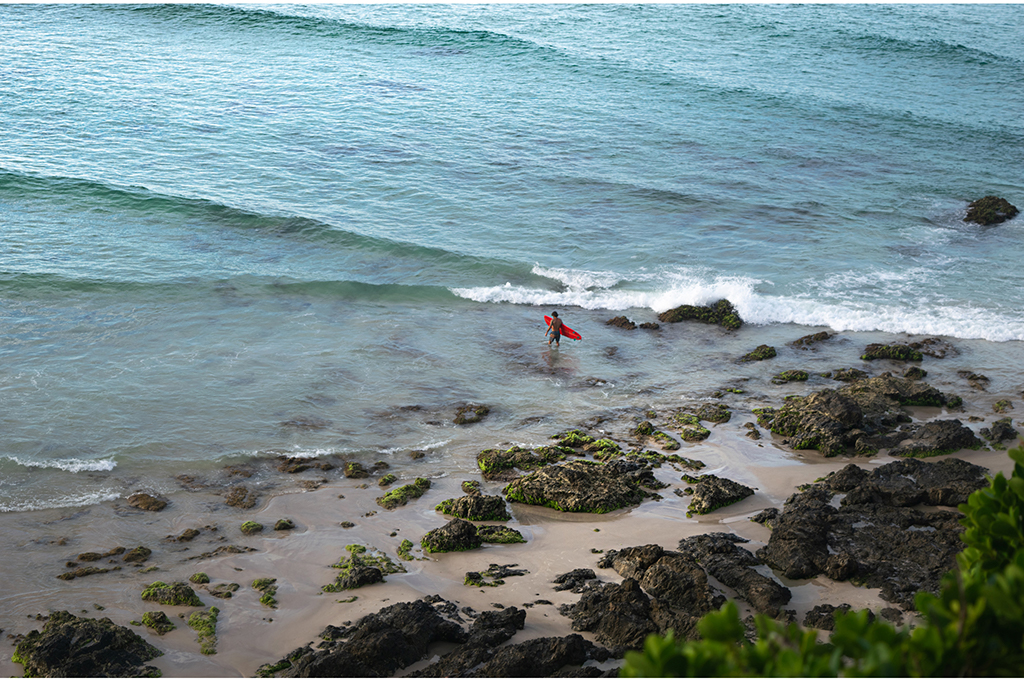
369	575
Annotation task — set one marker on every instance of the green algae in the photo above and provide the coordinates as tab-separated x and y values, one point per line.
205	625
157	621
268	588
251	527
405	550
175	594
199	578
402	494
500	535
386	480
762	352
360	557
284	524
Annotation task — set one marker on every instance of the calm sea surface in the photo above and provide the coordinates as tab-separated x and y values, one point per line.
221	226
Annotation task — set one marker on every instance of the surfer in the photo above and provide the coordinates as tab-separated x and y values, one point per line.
554	329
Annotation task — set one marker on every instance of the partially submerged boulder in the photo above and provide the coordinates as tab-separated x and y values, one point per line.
70	646
471	413
809	341
622	322
990	210
1001	430
147	502
762	352
582	486
174	594
895	351
721	313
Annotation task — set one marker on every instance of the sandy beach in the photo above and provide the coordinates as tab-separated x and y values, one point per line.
250	634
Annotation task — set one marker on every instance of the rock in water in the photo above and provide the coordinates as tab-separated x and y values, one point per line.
990	210
71	646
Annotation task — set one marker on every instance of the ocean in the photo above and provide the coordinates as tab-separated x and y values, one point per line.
233	232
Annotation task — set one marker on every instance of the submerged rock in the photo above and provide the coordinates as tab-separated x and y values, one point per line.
895	351
73	647
622	322
807	342
470	414
241	497
147	502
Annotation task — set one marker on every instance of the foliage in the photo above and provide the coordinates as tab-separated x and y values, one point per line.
973	627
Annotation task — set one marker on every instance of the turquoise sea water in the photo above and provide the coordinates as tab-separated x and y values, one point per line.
217	220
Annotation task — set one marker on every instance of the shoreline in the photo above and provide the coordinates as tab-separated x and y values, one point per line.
250	634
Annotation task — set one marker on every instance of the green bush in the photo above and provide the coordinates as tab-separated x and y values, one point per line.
973	627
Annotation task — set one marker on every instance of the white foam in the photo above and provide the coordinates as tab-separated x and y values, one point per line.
903	301
72	465
80	500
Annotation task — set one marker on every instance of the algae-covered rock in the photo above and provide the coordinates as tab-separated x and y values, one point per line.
241	497
990	210
762	352
470	487
476	508
205	625
147	502
386	480
496	572
268	588
716	413
252	528
70	646
137	555
896	351
455	536
496	465
499	535
362	567
712	492
470	414
807	342
199	578
915	373
83	571
721	313
402	494
355	470
175	594
1002	406
790	375
157	621
579	487
284	524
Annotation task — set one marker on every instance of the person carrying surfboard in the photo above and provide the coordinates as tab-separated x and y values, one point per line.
554	329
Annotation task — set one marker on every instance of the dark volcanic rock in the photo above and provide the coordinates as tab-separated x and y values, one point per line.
490	629
577	580
241	497
722	313
1001	430
990	210
618	615
711	493
900	549
847	375
581	486
71	646
730	565
936	348
455	536
503	465
937	438
622	322
379	644
806	342
978	382
476	507
823	616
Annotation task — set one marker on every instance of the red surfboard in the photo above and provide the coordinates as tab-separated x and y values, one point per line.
566	332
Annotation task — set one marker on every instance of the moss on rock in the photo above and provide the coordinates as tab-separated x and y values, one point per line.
499	535
762	352
157	621
402	494
721	313
268	588
284	524
897	351
205	625
199	578
252	527
175	594
362	567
